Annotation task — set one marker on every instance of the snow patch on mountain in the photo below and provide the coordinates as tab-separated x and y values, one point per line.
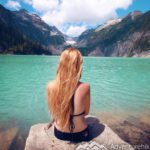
108	23
70	41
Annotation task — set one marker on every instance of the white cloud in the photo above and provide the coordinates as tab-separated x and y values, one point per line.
45	5
28	1
83	12
75	30
13	4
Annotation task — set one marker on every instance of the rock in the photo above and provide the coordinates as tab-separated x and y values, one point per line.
144	54
96	52
7	137
102	137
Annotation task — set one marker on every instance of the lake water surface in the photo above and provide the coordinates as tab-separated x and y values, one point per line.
120	88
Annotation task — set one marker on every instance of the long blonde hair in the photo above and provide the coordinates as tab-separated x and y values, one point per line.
64	85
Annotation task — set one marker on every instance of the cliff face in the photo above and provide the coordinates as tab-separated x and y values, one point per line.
123	37
122	48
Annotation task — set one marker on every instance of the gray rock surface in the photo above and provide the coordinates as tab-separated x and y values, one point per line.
145	54
102	138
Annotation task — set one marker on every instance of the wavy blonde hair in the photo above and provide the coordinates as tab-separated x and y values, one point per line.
64	85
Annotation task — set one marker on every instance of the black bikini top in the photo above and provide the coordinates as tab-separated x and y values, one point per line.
73	108
71	116
78	114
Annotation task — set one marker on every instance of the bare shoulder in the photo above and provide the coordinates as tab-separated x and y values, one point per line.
84	87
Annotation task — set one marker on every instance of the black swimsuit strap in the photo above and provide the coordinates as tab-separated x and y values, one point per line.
73	108
72	103
79	114
71	116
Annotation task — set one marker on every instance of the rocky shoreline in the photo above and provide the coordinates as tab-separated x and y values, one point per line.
136	134
144	54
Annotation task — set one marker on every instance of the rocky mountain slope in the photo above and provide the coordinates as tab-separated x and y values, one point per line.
12	42
123	37
34	28
120	37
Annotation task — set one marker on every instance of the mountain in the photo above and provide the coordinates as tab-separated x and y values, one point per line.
123	37
34	28
25	33
12	42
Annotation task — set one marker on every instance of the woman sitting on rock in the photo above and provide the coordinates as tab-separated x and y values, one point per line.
69	99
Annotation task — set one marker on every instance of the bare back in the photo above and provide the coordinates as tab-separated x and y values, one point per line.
81	104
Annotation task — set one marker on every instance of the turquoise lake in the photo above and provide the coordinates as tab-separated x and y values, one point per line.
119	86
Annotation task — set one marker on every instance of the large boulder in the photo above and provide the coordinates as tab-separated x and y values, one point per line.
102	138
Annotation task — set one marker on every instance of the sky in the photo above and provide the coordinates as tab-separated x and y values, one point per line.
72	17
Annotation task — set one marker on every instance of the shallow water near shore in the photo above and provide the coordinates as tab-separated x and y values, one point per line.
120	94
